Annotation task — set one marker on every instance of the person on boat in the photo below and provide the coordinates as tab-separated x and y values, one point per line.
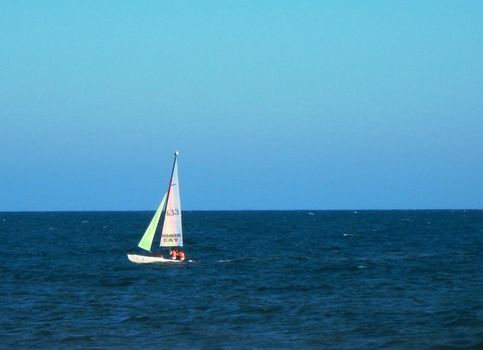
180	255
173	253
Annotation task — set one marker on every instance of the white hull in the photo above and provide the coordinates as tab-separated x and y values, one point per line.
142	259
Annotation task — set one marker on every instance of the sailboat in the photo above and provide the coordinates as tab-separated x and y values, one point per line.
172	230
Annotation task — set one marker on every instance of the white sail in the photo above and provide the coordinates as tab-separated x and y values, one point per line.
172	234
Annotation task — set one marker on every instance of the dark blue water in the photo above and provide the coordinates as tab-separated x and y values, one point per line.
261	280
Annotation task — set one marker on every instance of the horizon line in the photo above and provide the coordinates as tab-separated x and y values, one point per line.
237	210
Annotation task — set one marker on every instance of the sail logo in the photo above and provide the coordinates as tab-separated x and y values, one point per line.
172	238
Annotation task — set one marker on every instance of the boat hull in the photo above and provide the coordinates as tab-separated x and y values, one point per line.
142	259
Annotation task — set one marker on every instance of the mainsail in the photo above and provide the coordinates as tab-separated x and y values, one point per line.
172	234
147	240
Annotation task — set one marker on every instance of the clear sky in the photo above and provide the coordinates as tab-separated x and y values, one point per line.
272	104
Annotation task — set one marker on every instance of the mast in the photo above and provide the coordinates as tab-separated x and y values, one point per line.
168	223
172	172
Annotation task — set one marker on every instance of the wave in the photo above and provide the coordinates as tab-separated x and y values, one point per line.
238	259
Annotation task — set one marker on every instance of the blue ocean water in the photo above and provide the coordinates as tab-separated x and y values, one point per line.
260	280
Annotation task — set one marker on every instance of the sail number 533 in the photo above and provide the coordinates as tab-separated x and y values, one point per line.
172	212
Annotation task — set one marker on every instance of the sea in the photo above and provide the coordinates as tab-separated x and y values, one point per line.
409	279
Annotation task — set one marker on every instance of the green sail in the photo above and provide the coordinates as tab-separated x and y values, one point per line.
147	239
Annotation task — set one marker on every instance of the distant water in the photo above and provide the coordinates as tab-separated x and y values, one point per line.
261	280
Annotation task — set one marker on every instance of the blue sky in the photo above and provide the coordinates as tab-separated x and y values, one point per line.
272	104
